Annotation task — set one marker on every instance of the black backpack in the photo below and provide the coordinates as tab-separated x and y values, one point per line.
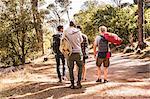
56	43
84	46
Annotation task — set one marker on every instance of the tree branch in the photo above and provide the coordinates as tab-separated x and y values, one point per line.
18	39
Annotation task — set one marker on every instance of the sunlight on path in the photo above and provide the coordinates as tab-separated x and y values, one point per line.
113	89
40	80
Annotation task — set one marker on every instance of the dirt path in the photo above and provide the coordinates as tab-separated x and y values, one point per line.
129	79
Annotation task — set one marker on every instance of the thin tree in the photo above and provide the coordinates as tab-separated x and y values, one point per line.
65	5
56	12
37	24
141	43
23	33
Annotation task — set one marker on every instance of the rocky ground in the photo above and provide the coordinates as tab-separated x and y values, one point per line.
129	78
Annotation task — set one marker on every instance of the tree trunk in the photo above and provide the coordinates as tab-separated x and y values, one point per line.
59	19
141	43
68	15
23	35
37	24
23	50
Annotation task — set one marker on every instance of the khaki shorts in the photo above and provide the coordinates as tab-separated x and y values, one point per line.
104	61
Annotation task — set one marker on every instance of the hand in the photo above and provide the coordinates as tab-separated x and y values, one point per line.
95	56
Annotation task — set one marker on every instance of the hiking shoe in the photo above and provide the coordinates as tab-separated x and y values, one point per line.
59	81
72	87
64	78
99	80
83	79
78	85
105	81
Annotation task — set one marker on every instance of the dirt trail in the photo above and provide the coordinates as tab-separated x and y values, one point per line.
128	79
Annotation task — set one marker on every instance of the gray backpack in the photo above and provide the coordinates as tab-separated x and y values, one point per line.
103	46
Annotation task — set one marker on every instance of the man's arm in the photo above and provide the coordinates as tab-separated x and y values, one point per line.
94	50
94	47
81	39
87	41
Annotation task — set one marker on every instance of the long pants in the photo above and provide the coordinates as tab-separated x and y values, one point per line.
75	57
59	57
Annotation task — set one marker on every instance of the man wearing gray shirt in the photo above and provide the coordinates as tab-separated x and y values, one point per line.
103	54
75	37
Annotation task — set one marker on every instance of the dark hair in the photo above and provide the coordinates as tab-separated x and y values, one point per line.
79	27
59	27
72	24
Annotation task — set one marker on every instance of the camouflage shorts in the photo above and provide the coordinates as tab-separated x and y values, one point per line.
104	61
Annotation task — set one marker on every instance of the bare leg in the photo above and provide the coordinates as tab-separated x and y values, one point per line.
99	72
105	72
84	72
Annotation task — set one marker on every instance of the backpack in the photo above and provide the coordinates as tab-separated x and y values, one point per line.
56	43
84	46
65	47
113	38
103	44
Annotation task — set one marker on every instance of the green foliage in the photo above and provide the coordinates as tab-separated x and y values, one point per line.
122	21
147	22
84	18
17	39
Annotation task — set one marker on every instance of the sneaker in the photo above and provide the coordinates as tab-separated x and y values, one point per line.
99	80
78	85
83	79
105	81
59	81
72	87
64	78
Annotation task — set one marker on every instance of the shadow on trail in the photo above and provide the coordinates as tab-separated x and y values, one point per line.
124	70
42	90
144	69
113	97
42	65
26	87
42	68
134	71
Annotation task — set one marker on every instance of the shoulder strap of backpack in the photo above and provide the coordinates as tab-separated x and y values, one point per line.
65	35
103	38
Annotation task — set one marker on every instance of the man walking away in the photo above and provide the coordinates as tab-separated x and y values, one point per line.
58	54
75	37
102	55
